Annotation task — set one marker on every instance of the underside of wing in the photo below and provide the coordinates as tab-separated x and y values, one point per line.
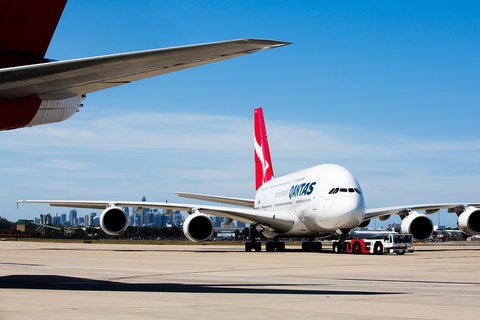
279	221
427	208
64	79
416	222
225	200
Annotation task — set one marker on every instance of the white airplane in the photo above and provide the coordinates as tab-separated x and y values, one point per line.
35	90
311	203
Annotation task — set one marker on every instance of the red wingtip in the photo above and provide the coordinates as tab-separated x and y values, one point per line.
263	162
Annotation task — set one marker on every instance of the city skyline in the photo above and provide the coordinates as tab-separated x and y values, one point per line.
146	217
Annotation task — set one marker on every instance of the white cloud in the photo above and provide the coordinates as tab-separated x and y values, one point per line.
132	155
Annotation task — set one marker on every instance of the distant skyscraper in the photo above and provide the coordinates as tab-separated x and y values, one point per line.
73	217
88	221
164	220
148	219
177	219
46	219
56	220
95	222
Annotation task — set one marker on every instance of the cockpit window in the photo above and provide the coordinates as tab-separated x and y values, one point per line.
351	190
333	191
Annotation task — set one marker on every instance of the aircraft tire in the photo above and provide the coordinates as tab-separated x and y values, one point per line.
317	246
378	248
306	246
270	246
336	247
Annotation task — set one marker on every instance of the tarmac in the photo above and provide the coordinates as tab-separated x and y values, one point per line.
42	280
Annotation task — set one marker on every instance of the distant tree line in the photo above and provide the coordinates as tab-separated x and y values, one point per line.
6	226
9	229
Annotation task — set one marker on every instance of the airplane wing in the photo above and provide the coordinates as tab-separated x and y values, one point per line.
279	221
232	201
427	208
64	79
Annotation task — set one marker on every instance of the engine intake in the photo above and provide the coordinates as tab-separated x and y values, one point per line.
419	225
198	227
469	221
113	221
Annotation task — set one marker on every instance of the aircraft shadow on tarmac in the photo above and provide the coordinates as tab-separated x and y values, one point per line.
55	282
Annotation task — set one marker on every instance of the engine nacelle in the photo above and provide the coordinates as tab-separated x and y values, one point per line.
198	227
113	221
419	225
469	221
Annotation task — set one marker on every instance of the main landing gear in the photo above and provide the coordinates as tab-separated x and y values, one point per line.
253	242
275	246
312	246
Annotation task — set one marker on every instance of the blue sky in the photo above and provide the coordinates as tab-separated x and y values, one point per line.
388	89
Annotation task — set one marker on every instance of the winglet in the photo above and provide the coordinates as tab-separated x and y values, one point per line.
263	162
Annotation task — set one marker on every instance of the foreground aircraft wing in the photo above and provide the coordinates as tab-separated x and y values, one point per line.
232	201
427	208
276	220
64	79
35	90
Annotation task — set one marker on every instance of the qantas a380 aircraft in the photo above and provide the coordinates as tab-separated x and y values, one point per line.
311	203
35	90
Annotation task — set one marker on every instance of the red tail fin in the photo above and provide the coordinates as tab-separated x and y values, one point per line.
263	162
26	28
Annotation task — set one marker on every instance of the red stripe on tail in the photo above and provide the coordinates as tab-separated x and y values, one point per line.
263	162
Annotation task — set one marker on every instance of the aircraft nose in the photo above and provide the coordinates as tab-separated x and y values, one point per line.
352	211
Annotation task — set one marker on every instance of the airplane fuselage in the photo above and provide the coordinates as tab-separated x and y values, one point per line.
321	199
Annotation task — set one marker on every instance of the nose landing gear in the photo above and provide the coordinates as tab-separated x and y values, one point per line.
339	246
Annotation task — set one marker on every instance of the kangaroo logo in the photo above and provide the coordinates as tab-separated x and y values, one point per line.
263	163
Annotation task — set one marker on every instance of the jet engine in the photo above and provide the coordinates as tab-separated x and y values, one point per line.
469	221
113	220
198	227
419	225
